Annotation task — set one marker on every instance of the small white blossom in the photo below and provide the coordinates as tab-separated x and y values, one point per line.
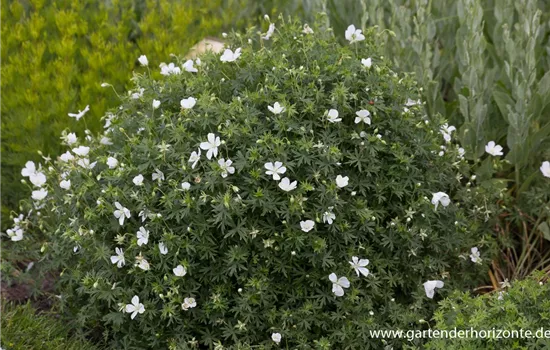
362	116
342	181
359	266
446	131
139	94
179	271
81	151
354	35
276	337
211	146
39	194
118	259
545	169
194	158
70	138
332	116
15	234
270	32
142	263
121	213
188	103
38	179
185	186
440	197
156	104
85	163
366	62
411	103
226	167
143	60
135	307
493	149
112	162
169	69
65	157
158	175
461	152
138	180
277	108
307	225
188	303
162	248
275	169
142	236
286	185
307	29
328	216
80	114
65	184
29	169
230	56
188	67
475	256
430	286
338	284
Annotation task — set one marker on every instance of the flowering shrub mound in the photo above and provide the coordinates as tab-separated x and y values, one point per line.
289	192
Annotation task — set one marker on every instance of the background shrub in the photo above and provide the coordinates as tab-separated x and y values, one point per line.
55	55
523	305
249	264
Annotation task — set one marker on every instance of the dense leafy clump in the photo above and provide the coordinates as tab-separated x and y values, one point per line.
522	306
179	227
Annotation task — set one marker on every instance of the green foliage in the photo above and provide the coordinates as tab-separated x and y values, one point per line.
24	329
525	305
250	265
55	55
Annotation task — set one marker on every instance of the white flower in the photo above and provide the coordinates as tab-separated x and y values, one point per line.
143	60
270	32
545	169
461	152
188	67
362	116
185	186
29	169
211	146
15	234
158	175
366	62
188	303
121	213
39	194
142	236
105	141
430	287
411	103
307	225
142	263
194	158
156	104
353	35
70	138
446	131
328	216
440	197
18	219
138	180
118	259
286	185
162	248
500	295
307	29
80	113
226	167
135	307
359	266
81	151
65	157
169	69
65	184
275	170
38	179
342	181
112	162
188	103
476	255
230	56
276	109
85	163
493	149
179	271
276	337
333	116
137	95
338	284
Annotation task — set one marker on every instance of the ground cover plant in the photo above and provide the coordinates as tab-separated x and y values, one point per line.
289	192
